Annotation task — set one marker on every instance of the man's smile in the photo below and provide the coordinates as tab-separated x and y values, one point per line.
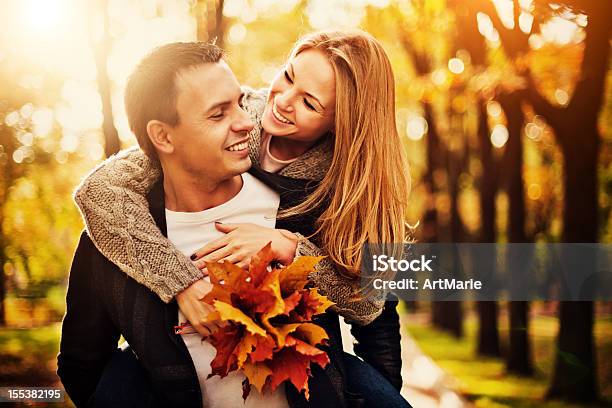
238	146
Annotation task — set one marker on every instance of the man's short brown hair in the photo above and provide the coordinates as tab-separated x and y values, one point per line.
151	93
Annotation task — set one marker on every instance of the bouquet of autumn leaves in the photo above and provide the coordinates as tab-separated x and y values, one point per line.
269	333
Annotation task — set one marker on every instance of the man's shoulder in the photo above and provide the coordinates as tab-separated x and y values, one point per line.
85	242
86	249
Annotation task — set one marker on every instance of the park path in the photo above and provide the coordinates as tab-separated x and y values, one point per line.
426	385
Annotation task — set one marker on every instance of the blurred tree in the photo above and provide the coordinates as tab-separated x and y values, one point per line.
9	170
515	44
414	29
488	332
468	38
450	313
574	376
7	175
18	153
518	358
210	22
101	48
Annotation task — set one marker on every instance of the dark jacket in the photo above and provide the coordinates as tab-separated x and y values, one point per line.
378	343
104	303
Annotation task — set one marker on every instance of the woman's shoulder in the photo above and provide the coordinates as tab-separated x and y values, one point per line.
253	99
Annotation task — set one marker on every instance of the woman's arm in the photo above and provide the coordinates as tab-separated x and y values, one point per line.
379	343
112	200
242	241
345	292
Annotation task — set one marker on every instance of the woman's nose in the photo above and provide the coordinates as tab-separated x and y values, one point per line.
283	101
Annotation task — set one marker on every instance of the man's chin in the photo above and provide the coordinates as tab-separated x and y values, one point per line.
243	166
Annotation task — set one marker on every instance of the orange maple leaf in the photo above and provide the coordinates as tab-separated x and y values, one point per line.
269	333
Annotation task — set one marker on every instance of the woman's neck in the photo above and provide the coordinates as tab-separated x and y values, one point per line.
286	149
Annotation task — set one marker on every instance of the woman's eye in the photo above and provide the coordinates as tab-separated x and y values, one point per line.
288	78
308	104
217	115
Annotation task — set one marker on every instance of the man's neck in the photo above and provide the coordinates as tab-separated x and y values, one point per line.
185	192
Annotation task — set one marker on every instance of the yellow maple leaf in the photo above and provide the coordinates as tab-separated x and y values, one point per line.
243	349
229	312
295	276
281	332
257	374
324	302
311	333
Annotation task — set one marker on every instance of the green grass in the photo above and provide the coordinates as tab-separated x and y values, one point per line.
484	381
28	358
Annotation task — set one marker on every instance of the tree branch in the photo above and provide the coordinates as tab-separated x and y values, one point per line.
590	88
554	115
513	41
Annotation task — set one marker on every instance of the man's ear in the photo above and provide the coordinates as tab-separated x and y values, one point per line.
159	134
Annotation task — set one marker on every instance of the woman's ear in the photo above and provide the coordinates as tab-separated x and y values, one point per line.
160	137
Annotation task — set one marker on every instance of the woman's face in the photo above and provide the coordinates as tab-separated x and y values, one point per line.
301	104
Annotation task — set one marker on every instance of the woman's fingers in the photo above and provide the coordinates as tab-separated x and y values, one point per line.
216	256
226	228
240	260
210	247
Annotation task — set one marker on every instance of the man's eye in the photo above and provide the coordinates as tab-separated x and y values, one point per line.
308	104
217	115
288	78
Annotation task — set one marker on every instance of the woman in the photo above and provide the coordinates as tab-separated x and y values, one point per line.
327	129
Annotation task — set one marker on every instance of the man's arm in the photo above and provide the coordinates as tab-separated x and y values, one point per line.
89	337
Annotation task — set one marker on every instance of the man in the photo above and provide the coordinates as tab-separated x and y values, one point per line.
183	106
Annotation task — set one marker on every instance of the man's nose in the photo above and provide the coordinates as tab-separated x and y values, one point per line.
243	122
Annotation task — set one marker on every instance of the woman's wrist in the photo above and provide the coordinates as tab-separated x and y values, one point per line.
286	246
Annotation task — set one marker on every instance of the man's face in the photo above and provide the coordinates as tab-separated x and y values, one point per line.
211	139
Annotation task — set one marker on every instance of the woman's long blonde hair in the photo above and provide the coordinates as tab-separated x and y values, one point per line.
367	185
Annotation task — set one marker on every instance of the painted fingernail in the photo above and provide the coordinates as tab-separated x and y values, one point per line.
217	222
193	257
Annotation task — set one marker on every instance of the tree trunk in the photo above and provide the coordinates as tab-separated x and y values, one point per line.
518	359
209	18
448	315
575	377
451	312
101	49
2	283
488	333
577	132
7	175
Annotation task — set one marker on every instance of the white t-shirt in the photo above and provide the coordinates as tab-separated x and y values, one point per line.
256	203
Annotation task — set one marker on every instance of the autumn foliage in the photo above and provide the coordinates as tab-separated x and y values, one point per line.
270	335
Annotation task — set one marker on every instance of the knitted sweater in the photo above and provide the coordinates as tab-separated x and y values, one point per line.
113	204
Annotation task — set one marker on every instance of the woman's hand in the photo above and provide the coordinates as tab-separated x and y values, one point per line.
242	241
196	311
